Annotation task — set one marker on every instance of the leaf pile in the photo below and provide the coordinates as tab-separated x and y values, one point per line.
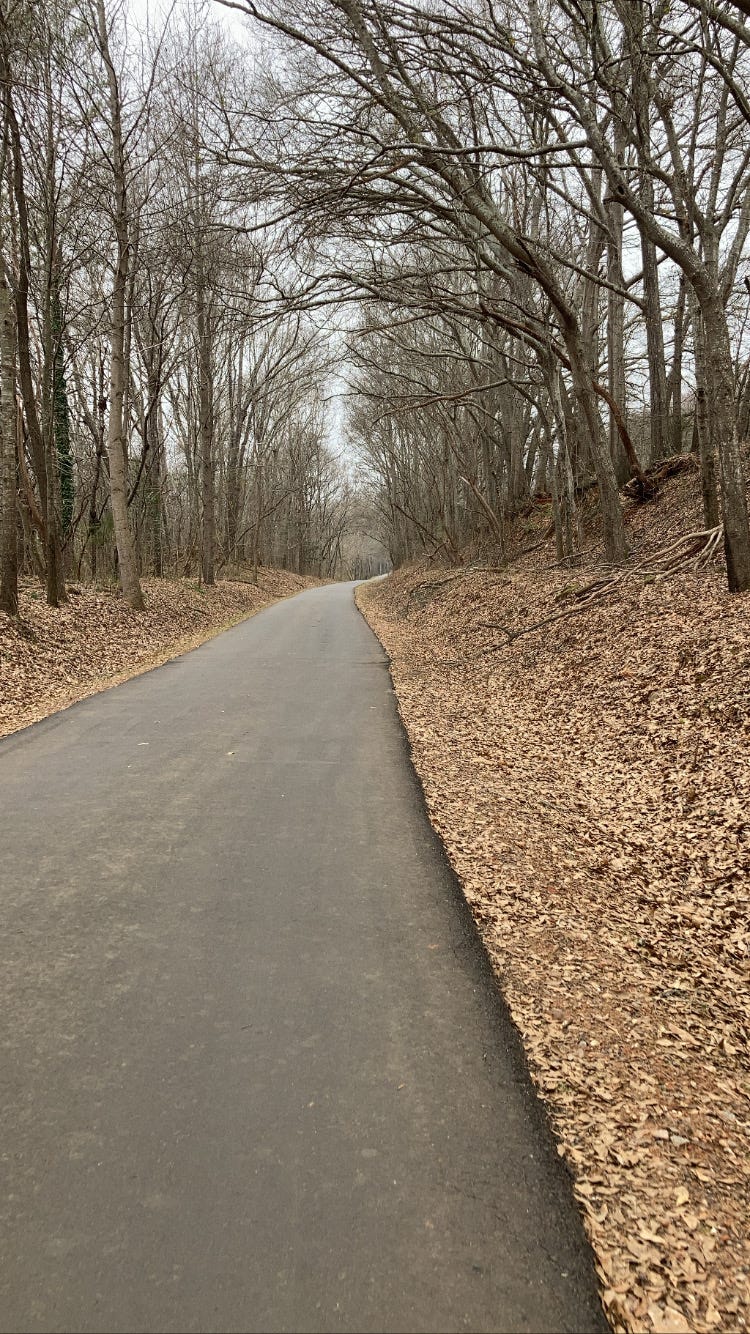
55	656
591	783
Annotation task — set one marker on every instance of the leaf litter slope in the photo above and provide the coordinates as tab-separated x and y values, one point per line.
52	657
590	781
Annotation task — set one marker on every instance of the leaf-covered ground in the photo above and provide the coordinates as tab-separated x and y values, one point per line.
54	656
591	783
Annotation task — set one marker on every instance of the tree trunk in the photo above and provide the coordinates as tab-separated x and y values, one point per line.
657	372
676	387
127	560
100	408
702	432
8	506
613	533
720	374
616	338
570	515
557	516
40	448
154	469
208	526
257	525
55	570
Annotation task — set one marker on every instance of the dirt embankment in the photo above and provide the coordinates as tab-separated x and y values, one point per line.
591	782
52	657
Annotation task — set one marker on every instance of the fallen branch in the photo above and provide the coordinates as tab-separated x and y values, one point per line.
658	473
438	583
689	552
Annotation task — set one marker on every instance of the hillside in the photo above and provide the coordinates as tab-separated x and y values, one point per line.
590	780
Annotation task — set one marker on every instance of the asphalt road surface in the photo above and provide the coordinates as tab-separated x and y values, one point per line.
255	1074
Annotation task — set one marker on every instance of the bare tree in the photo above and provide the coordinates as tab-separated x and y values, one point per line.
117	443
8	513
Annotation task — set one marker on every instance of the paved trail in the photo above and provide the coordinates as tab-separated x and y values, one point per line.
255	1075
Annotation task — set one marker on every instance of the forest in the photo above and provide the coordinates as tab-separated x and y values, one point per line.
389	268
